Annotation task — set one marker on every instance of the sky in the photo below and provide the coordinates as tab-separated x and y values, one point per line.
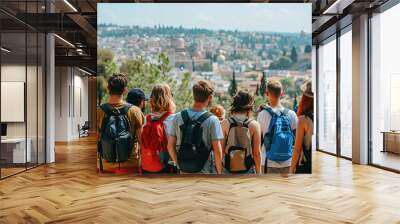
264	17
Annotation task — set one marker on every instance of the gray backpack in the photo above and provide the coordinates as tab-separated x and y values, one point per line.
238	156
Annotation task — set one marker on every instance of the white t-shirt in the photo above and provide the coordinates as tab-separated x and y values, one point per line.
264	118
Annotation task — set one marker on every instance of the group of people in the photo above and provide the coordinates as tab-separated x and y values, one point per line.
202	139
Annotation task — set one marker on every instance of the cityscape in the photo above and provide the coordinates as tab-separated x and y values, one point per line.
216	55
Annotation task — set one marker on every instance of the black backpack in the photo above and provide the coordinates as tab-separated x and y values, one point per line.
116	139
193	153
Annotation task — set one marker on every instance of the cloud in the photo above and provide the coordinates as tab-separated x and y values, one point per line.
205	18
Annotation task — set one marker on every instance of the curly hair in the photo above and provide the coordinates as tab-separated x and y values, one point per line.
243	101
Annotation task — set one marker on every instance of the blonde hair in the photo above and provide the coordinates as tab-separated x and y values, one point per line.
161	98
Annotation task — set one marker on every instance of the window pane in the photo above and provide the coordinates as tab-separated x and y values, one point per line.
385	85
41	99
14	153
346	94
327	97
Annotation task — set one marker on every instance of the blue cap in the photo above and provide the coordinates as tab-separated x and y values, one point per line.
135	95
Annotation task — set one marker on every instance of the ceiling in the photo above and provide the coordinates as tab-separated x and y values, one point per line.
332	15
74	22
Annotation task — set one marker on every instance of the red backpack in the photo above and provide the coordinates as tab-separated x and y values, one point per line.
153	143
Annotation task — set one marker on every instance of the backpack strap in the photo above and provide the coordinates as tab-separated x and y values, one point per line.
160	119
203	118
270	111
185	117
272	121
107	109
148	118
110	110
285	112
310	115
246	122
165	116
232	122
124	110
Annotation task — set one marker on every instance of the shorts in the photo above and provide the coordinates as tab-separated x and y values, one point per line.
276	170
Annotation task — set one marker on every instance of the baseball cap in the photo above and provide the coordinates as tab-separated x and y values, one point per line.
135	95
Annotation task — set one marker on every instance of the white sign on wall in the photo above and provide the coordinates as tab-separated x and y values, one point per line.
12	101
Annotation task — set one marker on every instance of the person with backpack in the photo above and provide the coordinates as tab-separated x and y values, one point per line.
278	125
195	135
119	124
137	98
153	145
301	159
242	152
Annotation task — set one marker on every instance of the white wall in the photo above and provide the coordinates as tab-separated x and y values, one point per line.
71	94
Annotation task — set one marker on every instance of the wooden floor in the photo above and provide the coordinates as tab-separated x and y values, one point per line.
70	191
387	159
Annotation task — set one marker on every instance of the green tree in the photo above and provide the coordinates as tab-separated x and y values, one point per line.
258	102
284	52
224	101
233	85
185	96
145	75
295	106
281	64
293	55
263	85
105	55
307	49
257	90
101	89
204	67
289	87
105	68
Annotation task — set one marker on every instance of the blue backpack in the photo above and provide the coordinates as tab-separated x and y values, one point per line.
279	140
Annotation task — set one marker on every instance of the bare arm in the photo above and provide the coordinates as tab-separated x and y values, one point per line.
225	130
297	145
138	133
171	148
217	148
99	122
256	144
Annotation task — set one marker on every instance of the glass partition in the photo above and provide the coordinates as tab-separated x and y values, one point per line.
327	96
22	91
345	94
385	89
31	97
41	97
13	93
